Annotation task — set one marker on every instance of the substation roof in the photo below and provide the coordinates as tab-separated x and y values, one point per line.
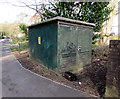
64	20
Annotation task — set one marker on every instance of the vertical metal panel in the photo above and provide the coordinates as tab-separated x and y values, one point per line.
84	36
74	47
47	50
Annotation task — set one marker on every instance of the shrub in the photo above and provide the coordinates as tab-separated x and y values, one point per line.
100	51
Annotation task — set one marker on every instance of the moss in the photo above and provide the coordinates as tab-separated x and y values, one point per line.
76	70
111	91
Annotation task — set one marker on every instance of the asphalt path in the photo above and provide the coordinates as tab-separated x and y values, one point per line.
19	82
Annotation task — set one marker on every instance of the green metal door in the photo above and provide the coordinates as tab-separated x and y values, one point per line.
84	46
67	47
74	47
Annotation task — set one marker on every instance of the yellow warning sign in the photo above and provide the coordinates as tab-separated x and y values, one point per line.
39	40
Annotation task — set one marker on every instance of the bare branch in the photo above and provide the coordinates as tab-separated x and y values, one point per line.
12	4
52	4
18	5
34	5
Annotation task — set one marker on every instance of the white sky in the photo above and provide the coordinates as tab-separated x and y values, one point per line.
8	13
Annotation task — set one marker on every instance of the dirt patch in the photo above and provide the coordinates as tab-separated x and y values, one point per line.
85	83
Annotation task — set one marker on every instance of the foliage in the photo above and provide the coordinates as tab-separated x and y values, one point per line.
14	43
23	45
93	12
9	30
101	51
18	42
23	28
118	36
95	37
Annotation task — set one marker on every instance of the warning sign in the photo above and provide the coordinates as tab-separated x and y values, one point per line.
39	40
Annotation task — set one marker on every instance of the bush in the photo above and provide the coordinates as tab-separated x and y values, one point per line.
24	45
101	51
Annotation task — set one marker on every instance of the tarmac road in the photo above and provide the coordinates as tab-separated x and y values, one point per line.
18	82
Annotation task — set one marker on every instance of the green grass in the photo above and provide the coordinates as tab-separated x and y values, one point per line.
23	45
14	43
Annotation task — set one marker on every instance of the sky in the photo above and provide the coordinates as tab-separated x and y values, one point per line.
9	13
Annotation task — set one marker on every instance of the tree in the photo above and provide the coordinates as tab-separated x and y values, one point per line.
10	30
35	5
35	19
23	28
93	12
